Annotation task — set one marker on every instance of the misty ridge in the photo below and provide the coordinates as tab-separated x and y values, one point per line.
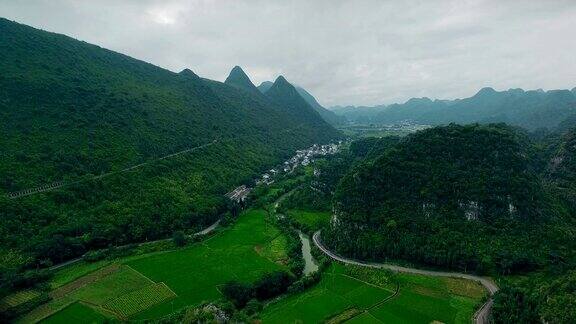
531	109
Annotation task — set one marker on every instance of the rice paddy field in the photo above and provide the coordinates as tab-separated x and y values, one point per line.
154	285
362	295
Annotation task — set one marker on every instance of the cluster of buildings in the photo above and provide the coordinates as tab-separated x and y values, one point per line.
239	194
301	158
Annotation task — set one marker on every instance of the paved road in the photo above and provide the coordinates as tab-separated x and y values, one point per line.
480	317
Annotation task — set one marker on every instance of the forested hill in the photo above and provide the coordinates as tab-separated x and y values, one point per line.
528	109
448	167
466	197
71	111
285	95
562	169
327	115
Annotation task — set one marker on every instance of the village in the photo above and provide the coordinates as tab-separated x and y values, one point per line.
302	158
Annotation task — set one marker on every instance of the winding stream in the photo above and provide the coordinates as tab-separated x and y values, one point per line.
310	264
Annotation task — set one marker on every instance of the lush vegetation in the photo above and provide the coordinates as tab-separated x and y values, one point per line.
465	197
106	125
270	285
154	285
326	114
363	294
489	199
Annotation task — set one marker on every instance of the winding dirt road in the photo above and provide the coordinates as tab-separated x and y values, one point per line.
480	317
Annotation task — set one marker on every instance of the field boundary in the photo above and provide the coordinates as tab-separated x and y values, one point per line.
140	273
368	283
141	298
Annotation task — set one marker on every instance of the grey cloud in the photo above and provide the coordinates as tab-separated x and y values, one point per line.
344	52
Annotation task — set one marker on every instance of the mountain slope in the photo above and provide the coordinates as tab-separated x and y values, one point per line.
456	196
285	95
326	114
108	125
562	169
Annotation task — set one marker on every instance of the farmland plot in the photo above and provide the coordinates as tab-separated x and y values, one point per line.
365	295
139	300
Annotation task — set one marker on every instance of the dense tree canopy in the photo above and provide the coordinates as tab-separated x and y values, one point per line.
76	113
466	197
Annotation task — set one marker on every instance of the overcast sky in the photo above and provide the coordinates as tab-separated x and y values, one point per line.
343	52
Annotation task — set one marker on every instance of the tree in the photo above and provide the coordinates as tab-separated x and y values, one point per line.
272	285
179	238
238	293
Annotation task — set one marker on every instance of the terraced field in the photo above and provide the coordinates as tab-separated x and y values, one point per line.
347	293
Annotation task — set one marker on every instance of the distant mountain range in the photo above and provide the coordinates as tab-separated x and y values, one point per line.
326	114
529	109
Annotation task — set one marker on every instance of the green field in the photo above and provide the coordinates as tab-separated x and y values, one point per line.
139	300
150	286
154	285
194	274
121	282
367	296
313	220
75	271
76	313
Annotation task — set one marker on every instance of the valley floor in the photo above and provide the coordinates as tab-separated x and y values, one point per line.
352	294
153	285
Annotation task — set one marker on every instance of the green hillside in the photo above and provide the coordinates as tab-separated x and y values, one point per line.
107	125
326	114
465	197
562	169
265	86
285	95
